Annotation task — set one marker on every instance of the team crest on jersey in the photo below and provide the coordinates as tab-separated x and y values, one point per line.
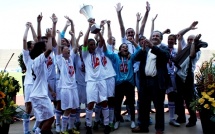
49	61
104	61
96	63
71	70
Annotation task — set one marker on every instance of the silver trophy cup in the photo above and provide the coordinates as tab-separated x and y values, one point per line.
87	11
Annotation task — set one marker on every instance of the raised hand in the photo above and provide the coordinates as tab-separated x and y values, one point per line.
153	19
54	18
68	23
167	31
48	32
71	33
193	25
80	34
58	31
39	17
148	6
28	24
70	20
108	22
102	23
139	17
118	7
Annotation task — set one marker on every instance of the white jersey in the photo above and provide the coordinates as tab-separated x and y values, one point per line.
50	62
40	85
131	47
79	71
28	62
93	65
67	72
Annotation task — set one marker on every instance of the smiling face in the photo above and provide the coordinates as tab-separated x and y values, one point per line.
156	38
130	33
65	52
91	46
124	50
171	41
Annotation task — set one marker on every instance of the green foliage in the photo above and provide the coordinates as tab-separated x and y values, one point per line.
21	63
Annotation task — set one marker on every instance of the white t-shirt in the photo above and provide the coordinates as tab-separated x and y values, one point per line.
50	62
93	65
40	85
110	48
67	72
28	62
79	70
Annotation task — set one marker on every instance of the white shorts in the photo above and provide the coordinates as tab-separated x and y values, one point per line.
58	96
110	86
96	91
69	98
43	108
52	84
27	92
82	93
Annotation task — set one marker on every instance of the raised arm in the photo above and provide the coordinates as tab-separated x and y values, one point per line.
191	27
73	42
86	36
110	37
143	23
49	43
102	23
25	47
39	18
79	36
152	28
122	27
133	41
72	27
54	20
65	28
167	31
58	43
33	33
137	26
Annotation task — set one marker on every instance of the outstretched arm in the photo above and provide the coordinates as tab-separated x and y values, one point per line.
49	43
72	26
25	36
118	10
58	43
143	24
96	37
54	20
191	27
137	26
39	18
33	33
79	36
73	42
86	36
152	28
167	31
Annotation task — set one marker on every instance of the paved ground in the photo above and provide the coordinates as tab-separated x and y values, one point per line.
16	128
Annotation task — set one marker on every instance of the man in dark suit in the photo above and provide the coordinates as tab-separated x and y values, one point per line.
153	80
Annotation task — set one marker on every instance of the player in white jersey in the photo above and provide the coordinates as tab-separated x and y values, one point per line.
67	83
96	85
80	79
41	103
28	81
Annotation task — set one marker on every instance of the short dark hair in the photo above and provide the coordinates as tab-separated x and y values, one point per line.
29	43
174	36
44	37
66	40
39	48
161	34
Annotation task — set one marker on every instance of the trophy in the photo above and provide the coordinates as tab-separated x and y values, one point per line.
86	10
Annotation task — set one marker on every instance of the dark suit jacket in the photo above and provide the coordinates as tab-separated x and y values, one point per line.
163	56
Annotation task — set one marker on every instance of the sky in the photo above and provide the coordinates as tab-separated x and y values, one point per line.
173	14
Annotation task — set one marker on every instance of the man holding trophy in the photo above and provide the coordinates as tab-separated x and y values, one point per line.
96	87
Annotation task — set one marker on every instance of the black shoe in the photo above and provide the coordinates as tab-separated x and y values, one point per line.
107	129
121	119
179	120
77	125
89	130
140	130
96	125
190	124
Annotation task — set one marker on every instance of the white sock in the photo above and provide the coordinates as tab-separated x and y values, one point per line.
78	110
58	114
105	112
171	106
64	123
71	121
37	130
26	122
88	118
97	113
111	115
